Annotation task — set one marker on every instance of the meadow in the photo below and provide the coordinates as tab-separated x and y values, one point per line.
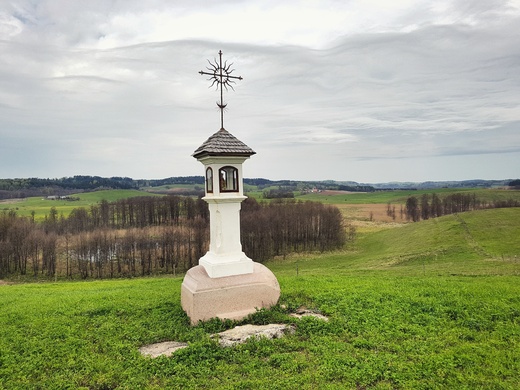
400	196
40	206
427	305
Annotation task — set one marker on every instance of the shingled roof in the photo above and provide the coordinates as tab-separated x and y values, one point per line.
223	143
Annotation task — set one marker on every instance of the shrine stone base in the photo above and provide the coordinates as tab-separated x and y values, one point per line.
229	297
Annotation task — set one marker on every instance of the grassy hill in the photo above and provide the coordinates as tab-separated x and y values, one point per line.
475	243
433	304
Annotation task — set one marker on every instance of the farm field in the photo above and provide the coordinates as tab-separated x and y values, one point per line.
400	196
41	206
432	304
355	205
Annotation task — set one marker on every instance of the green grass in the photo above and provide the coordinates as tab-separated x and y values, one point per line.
41	206
384	332
434	304
474	243
497	232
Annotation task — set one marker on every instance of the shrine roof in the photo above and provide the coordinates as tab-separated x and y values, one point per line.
223	143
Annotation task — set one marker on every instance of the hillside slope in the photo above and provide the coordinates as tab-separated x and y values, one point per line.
403	315
472	243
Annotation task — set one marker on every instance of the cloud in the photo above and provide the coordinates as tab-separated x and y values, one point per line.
111	88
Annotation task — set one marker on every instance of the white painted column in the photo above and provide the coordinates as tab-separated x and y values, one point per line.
225	256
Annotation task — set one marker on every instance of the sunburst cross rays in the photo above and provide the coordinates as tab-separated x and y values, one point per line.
220	75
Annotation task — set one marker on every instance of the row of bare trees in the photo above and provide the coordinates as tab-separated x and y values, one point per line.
143	236
24	247
127	213
432	206
286	226
106	253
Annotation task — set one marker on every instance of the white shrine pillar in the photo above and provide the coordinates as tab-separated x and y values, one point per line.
224	195
226	283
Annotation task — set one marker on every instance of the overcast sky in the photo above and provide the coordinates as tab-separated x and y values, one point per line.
368	91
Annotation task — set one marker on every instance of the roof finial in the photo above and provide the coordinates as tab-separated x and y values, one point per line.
221	75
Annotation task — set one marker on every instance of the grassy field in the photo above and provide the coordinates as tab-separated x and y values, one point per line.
475	243
41	206
427	305
400	196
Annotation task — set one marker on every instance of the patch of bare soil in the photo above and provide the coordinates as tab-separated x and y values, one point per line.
4	283
370	217
370	212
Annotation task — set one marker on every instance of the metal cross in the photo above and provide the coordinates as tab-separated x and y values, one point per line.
221	75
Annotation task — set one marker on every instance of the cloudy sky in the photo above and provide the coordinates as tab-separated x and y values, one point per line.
369	91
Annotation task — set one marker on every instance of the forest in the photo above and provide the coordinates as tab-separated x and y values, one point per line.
153	235
22	188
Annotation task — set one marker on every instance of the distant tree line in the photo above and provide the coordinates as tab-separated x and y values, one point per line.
75	182
359	188
407	186
515	184
258	182
10	188
152	235
277	193
21	188
431	206
188	180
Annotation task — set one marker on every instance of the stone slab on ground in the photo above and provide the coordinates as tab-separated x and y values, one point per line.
166	348
228	338
241	334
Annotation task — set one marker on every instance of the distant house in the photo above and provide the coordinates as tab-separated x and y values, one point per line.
63	197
